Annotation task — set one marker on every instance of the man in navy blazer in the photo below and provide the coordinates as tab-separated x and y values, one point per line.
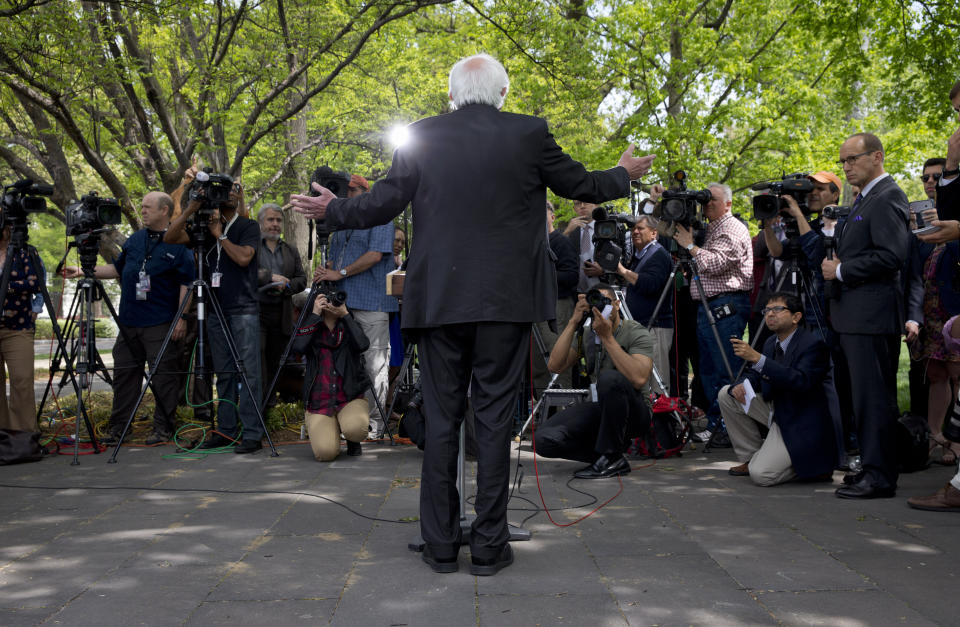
867	311
788	381
478	276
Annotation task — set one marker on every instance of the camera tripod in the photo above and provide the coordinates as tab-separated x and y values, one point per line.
19	243
83	350
685	260
201	291
316	288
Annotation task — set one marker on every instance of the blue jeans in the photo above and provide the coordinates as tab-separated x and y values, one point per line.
245	329
713	374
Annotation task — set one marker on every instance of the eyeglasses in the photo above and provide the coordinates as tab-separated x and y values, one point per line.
852	158
927	177
774	309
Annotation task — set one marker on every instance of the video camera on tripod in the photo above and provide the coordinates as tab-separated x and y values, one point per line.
610	238
771	204
211	190
681	206
86	220
22	198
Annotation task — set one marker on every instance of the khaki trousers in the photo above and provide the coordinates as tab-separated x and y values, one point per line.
16	356
324	431
769	461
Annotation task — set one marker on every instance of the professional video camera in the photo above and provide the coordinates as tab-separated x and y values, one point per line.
212	190
682	206
21	198
336	182
769	205
92	213
610	237
835	212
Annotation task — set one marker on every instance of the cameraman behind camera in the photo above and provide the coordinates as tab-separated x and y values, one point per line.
231	270
154	278
619	353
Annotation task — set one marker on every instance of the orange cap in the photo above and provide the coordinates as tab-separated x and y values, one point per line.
823	176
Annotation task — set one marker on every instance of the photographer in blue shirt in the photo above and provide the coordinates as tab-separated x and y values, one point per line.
154	279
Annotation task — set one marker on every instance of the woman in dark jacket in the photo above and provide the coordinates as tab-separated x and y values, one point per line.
334	381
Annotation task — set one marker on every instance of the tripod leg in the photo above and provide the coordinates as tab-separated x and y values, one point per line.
146	384
307	307
55	362
404	368
238	362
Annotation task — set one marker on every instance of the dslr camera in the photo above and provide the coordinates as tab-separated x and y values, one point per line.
610	237
770	205
21	198
682	206
92	214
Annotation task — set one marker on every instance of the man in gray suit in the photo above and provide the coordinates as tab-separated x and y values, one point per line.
472	299
867	310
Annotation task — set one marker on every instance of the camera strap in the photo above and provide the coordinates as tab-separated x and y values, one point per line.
226	229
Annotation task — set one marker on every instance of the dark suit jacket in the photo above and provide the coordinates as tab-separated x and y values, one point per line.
795	386
293	270
477	180
873	248
643	295
568	271
948	200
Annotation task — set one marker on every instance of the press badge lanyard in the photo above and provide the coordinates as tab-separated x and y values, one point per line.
598	354
215	277
143	282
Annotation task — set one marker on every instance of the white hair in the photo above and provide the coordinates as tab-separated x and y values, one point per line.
727	192
479	79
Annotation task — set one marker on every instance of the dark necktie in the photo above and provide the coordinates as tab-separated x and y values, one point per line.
856	202
778	353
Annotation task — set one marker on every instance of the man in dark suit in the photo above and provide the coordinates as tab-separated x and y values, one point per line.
788	381
867	310
472	299
948	190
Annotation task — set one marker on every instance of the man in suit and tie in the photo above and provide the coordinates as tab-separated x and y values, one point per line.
472	300
788	381
867	310
580	233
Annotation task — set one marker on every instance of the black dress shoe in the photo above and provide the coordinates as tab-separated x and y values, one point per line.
248	446
852	477
864	489
485	567
216	441
354	449
439	565
604	467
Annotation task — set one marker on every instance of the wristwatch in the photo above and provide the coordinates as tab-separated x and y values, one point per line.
222	237
950	173
343	272
690	246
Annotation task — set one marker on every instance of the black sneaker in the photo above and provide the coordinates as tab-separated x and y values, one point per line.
157	437
248	446
354	449
721	440
443	565
216	441
113	438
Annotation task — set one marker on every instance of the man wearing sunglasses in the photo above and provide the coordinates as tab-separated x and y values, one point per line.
787	378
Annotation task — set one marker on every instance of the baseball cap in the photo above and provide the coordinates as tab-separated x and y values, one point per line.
823	176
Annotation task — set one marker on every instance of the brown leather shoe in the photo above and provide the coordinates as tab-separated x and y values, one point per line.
946	499
740	471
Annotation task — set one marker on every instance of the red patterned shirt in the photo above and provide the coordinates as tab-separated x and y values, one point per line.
326	394
725	259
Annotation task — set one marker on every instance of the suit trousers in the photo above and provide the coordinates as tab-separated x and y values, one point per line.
19	412
489	358
872	379
136	347
769	460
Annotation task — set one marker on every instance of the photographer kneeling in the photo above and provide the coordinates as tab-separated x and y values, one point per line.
788	380
335	379
620	354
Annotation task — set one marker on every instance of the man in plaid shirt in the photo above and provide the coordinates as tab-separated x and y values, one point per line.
725	262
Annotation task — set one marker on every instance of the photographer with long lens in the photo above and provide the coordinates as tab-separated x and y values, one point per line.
154	279
619	354
17	330
725	262
335	379
230	266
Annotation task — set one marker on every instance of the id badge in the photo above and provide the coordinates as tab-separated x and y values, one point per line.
593	393
215	279
143	286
